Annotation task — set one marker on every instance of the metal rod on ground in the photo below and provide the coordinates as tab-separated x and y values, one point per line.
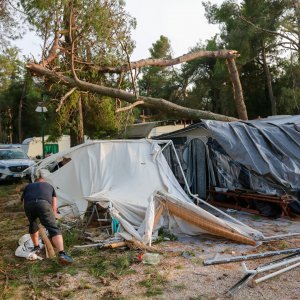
261	279
240	284
209	262
274	265
249	276
88	245
280	237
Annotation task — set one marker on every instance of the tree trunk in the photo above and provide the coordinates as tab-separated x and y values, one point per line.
296	6
20	132
76	128
163	105
1	130
269	81
80	133
10	131
237	89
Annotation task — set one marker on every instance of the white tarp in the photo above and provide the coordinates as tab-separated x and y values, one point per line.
127	174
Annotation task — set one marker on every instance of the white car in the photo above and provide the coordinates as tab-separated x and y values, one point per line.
14	164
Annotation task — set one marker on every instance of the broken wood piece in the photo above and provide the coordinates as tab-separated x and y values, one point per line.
158	215
194	218
135	244
115	245
48	245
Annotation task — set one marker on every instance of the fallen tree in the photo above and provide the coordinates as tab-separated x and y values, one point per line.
168	107
70	58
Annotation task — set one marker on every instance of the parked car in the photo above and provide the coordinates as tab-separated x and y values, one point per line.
14	163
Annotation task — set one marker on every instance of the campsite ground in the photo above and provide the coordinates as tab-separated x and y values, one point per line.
117	274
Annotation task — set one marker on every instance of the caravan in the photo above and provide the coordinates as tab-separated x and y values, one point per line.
34	146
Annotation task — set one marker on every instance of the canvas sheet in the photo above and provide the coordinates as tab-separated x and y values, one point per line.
124	175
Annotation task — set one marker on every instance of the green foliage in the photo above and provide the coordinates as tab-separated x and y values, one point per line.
164	235
10	67
157	81
161	48
102	31
16	88
100	119
111	266
249	41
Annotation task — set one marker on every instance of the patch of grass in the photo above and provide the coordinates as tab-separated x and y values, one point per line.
154	284
83	285
112	265
121	264
7	189
188	254
100	268
180	287
71	237
283	245
256	217
16	207
200	297
164	235
68	294
179	267
197	260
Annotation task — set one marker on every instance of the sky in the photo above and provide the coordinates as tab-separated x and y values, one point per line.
182	21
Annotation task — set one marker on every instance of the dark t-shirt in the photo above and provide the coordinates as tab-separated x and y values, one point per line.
38	190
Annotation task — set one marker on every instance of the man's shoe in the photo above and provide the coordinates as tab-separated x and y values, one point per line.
65	259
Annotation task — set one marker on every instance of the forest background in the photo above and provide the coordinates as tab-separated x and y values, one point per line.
91	42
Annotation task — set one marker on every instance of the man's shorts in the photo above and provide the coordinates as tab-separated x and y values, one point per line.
42	210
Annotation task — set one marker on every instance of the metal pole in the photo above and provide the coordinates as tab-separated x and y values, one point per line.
43	130
261	279
209	262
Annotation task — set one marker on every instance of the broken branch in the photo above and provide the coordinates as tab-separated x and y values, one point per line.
122	109
66	96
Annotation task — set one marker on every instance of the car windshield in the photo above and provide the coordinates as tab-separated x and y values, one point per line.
12	154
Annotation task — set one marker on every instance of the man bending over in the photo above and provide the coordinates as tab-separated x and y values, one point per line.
40	203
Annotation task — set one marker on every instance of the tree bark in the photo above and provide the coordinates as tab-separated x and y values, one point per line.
171	108
237	89
165	62
80	134
20	133
10	128
76	128
269	81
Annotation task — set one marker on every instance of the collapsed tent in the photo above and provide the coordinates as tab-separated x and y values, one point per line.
260	155
134	180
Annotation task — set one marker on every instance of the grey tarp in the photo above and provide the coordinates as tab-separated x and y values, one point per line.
262	155
270	147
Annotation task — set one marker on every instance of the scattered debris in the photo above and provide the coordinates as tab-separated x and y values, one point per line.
250	274
151	258
216	261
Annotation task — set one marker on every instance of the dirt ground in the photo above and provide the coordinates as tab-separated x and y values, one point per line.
118	274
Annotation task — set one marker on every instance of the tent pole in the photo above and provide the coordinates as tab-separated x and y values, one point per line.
203	201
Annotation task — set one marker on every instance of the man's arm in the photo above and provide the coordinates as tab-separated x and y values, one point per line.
54	206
